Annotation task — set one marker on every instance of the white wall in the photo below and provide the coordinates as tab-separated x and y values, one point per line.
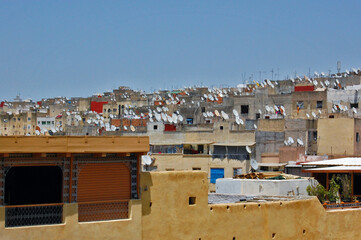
263	187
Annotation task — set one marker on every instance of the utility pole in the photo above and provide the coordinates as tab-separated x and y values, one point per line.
272	73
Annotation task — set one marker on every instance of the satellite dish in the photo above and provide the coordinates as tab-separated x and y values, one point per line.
337	81
268	109
354	110
276	108
308	115
125	128
238	121
260	111
216	113
159	109
170	119
113	128
126	111
286	143
299	141
164	117
132	128
205	115
314	115
255	126
254	164
151	120
319	111
158	117
180	118
241	121
146	160
150	115
235	112
290	140
249	150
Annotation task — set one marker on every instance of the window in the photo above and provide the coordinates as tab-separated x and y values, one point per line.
315	136
43	122
221	127
109	110
47	122
354	105
319	104
203	109
331	116
300	105
357	137
29	119
192	200
169	169
189	121
52	122
38	122
15	119
244	109
237	171
155	127
196	169
216	173
258	115
114	110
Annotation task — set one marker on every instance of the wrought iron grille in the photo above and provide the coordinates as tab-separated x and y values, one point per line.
16	216
100	211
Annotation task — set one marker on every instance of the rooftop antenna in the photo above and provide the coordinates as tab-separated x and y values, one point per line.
338	66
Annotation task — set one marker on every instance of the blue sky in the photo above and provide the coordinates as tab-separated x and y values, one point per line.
77	48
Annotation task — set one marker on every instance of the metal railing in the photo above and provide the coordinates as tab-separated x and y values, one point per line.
30	215
342	205
102	210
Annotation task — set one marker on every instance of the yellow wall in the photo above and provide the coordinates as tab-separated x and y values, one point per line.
164	213
126	229
171	217
335	136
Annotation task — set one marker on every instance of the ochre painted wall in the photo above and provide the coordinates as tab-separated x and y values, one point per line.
72	230
164	213
168	215
336	136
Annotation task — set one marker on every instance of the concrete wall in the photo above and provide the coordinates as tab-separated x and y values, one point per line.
268	142
256	187
336	136
287	153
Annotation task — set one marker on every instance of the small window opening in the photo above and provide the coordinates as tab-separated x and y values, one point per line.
221	127
319	104
155	127
192	200
244	109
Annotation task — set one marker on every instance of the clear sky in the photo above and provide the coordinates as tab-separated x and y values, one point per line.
77	48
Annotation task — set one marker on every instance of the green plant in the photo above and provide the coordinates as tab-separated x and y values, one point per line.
317	190
345	184
333	195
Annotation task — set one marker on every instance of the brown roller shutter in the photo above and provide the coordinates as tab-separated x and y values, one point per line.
103	182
